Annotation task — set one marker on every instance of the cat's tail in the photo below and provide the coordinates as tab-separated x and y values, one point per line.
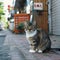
53	51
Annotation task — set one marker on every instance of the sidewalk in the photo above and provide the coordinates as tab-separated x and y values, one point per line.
55	41
19	48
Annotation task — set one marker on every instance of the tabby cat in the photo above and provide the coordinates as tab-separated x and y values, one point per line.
38	39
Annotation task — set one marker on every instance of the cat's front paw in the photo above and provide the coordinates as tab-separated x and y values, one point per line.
40	51
32	51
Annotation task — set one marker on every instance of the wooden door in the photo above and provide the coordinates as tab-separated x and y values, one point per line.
41	17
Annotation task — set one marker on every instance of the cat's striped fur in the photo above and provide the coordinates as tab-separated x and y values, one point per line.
38	39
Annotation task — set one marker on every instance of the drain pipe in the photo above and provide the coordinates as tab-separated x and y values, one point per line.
49	17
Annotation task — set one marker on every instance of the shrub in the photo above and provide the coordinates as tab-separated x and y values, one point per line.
20	26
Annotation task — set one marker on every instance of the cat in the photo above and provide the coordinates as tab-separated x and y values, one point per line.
38	39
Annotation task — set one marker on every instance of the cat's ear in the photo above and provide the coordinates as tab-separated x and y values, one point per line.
25	23
34	23
31	18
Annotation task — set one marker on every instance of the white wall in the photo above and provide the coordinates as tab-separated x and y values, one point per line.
6	3
56	16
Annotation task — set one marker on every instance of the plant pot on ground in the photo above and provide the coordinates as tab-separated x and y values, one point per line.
21	27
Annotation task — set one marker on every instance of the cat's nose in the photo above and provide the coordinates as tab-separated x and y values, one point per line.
30	29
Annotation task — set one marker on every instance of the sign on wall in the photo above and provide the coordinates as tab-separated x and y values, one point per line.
38	6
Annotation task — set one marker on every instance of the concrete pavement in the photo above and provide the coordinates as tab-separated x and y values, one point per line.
19	49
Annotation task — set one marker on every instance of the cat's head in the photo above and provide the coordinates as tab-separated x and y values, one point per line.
30	26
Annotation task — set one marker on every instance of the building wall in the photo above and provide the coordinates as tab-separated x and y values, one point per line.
41	17
55	13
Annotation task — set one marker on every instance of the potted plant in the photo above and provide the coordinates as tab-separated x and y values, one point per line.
21	27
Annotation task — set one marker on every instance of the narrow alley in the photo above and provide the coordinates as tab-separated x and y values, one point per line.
16	47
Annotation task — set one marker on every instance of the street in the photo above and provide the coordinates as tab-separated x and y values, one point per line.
16	47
